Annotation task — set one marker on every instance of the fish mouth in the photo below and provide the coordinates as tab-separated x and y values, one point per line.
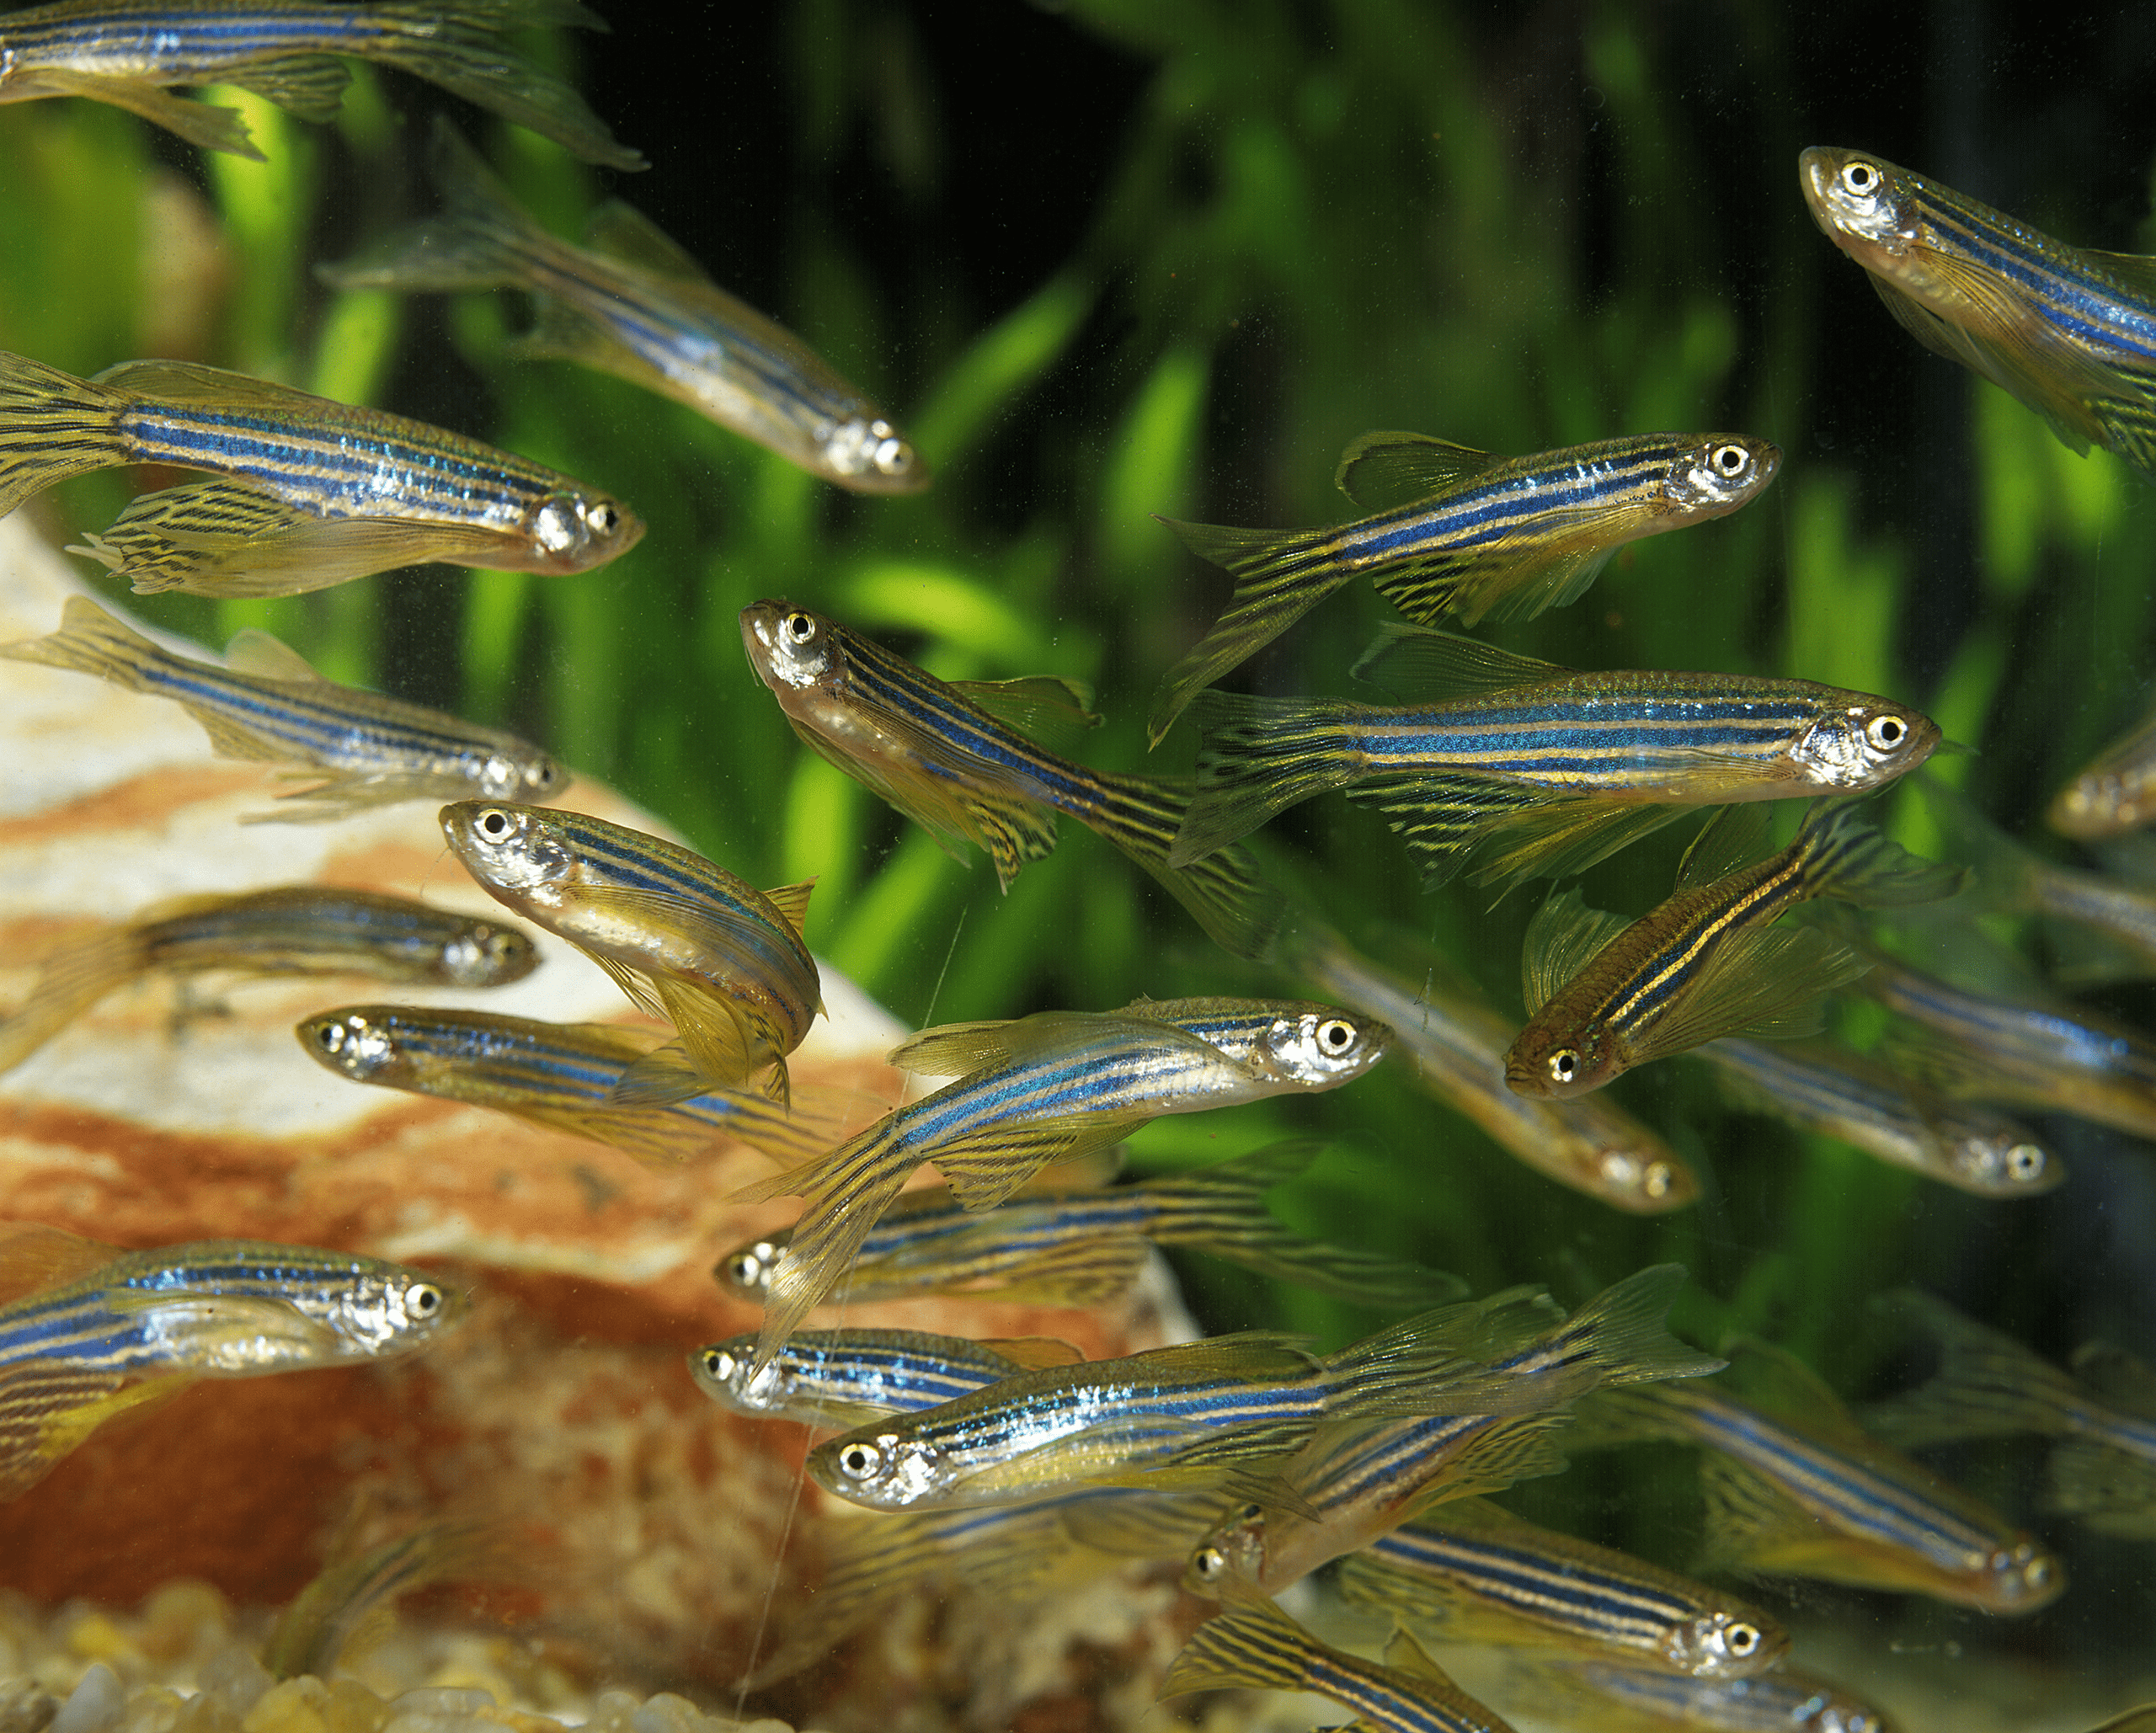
759	635
1815	175
1523	1079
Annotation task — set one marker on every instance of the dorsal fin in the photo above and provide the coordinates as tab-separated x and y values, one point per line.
1730	839
34	1257
2132	270
1380	471
622	231
1774	1381
255	652
1562	938
1033	1352
1053	711
791	901
1419	662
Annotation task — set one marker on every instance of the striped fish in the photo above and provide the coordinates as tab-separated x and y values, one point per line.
2069	331
1457	1046
1820	1498
1472	1573
1558	770
1083	1248
2115	792
268	705
1603	997
1046	1088
1884	1113
292	930
840	1377
2040	1053
92	1331
566	1076
1461	531
1987	1385
310	491
1612	1697
1015	1552
944	756
630	302
287	51
686	940
1256	1644
1352	1483
1175	1418
351	1593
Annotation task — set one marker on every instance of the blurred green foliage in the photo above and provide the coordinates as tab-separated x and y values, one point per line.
1305	233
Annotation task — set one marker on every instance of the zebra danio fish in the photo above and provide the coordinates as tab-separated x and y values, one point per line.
1559	769
567	1076
268	705
2069	331
309	491
1462	531
944	756
632	302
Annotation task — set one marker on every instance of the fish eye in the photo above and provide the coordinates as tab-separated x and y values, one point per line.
718	1365
544	777
860	1462
494	824
1861	180
2036	1573
799	628
2024	1162
1208	1562
1887	733
330	1036
1335	1035
603	518
1742	1639
1249	1513
1729	461
1657	1179
1565	1064
423	1299
745	1268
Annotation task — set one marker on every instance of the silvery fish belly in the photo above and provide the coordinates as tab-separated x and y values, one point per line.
102	1330
685	940
309	491
287	51
630	302
2069	331
267	704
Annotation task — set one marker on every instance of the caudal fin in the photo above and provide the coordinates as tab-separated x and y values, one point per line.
1280	576
74	978
52	426
1225	893
1257	757
459	46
